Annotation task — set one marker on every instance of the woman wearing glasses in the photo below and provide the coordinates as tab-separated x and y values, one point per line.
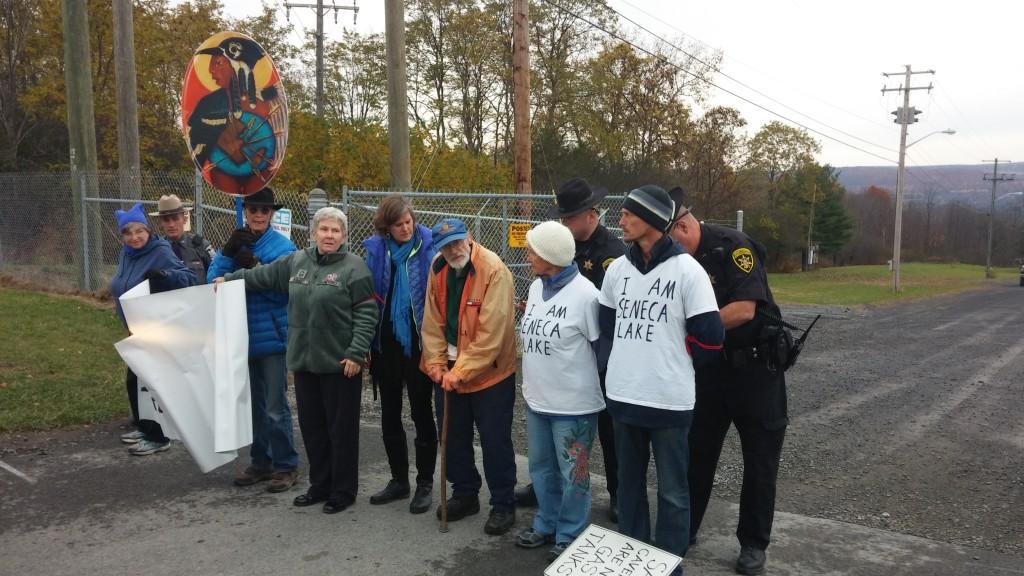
272	455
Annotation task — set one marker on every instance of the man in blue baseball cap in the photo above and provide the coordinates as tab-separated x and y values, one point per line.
469	351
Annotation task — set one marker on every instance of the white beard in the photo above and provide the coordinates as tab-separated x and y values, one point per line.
459	262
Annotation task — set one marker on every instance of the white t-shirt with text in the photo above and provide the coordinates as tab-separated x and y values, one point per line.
559	364
649	365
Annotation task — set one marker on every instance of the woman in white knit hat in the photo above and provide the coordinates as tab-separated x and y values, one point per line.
560	386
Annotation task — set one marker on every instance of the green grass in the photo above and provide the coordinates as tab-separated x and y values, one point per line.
859	285
58	365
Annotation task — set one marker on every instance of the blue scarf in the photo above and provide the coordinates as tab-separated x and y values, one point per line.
401	303
552	284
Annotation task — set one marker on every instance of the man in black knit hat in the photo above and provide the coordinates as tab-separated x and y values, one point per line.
656	300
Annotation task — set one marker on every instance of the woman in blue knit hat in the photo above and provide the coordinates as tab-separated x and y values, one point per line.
144	256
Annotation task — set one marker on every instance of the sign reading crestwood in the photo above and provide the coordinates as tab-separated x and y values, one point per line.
604	552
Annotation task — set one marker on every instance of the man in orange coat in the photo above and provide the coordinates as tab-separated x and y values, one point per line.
469	351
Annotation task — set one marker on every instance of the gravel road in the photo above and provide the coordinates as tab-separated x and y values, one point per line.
908	417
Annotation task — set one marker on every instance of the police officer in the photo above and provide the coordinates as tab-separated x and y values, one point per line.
191	248
596	248
741	388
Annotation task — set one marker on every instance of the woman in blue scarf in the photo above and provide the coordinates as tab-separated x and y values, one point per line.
144	256
399	259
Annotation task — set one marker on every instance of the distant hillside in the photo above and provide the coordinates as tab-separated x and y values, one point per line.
962	182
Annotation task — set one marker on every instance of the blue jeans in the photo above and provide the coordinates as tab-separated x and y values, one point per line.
491	410
671	458
559	450
273	446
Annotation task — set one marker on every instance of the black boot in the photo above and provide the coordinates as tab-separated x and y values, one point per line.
461	506
526	497
751	561
422	500
395	490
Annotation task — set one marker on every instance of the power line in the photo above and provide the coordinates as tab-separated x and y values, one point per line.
730	92
738	61
740	82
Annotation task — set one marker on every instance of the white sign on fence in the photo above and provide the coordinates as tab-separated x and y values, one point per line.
282	222
602	552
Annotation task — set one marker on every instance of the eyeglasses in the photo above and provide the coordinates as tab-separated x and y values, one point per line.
680	216
259	209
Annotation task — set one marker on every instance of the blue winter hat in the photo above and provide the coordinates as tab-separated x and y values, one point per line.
133	214
448	230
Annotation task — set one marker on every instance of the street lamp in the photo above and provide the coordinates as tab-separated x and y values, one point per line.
900	177
949	131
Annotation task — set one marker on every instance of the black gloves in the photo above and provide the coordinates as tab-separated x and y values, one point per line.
239	239
157	280
245	259
154	274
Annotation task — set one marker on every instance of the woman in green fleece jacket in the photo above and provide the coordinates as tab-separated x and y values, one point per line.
331	320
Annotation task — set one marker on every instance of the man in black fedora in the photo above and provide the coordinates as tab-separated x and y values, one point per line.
190	248
596	248
272	455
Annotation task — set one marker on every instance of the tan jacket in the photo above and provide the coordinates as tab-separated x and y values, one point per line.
487	342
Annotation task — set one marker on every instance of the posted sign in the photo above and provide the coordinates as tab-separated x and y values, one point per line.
517	234
282	222
601	551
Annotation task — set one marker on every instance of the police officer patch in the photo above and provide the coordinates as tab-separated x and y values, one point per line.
607	262
743	259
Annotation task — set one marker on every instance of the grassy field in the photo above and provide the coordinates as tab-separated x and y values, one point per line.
58	365
858	285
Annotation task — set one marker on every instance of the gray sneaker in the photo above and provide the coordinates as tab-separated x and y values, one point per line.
146	447
132	437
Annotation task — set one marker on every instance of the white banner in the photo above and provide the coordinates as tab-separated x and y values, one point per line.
191	347
606	552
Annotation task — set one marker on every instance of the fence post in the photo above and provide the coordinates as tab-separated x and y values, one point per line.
198	197
344	199
739	220
504	225
86	271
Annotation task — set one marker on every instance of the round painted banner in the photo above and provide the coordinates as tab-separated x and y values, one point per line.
234	113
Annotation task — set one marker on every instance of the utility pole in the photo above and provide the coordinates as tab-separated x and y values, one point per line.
810	228
320	10
996	179
904	116
521	93
127	101
82	135
398	110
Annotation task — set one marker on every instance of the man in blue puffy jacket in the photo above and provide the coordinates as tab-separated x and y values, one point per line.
273	456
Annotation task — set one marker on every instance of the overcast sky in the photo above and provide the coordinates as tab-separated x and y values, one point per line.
820	64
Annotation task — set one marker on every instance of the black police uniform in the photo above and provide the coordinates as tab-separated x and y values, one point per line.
593	257
195	252
739	389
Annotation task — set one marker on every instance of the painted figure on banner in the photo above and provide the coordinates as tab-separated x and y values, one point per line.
234	113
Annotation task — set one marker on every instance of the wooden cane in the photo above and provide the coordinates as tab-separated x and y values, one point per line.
444	466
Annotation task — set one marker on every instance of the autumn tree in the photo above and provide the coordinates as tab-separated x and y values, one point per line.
713	150
778	149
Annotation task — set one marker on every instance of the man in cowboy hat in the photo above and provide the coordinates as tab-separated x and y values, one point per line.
596	248
191	248
273	456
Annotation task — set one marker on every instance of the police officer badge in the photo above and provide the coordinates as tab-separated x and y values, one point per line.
743	259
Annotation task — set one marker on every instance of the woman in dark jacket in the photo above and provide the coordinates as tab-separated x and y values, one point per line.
331	316
399	260
144	256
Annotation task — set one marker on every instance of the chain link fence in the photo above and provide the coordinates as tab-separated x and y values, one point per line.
53	237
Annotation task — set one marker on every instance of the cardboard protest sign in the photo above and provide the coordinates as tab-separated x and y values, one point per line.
234	113
602	551
190	347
